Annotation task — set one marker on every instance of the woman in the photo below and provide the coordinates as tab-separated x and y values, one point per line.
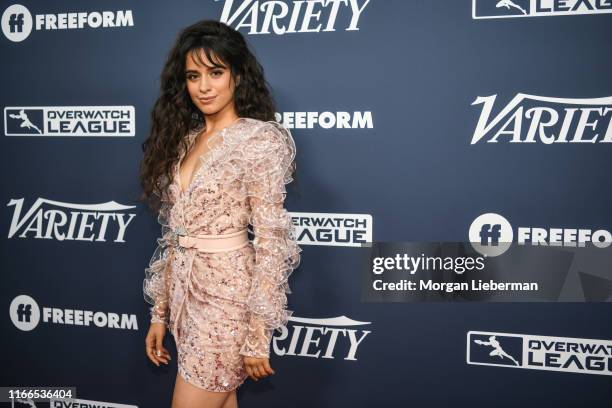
214	163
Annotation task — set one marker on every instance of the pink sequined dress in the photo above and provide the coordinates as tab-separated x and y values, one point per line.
222	306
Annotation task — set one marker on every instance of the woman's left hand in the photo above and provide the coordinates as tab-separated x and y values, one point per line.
257	367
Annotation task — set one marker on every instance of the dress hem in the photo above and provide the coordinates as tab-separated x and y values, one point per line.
235	388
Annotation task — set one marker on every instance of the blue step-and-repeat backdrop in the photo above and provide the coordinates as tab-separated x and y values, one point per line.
413	119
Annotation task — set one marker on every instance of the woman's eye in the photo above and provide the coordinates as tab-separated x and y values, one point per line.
194	76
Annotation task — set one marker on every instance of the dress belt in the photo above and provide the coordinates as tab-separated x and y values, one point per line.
215	243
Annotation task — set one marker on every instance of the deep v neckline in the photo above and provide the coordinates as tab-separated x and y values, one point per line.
201	158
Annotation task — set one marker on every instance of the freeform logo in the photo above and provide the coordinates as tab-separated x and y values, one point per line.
327	336
25	315
569	237
78	222
326	120
69	121
280	17
17	21
529	119
491	234
537	8
332	229
567	354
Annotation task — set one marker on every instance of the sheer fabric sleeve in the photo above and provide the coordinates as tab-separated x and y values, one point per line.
271	152
155	284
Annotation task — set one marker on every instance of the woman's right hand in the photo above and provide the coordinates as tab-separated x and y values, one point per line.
154	344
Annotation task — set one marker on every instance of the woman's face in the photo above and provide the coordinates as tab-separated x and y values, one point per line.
211	88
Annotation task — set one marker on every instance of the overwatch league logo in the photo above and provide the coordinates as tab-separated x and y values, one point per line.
333	229
69	121
494	351
567	354
22	117
83	403
537	8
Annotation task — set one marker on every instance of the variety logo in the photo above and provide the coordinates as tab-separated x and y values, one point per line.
532	119
320	338
537	8
69	121
491	235
68	221
326	120
572	355
26	315
279	17
17	21
332	229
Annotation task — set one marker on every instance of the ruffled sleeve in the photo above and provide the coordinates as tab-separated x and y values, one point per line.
270	154
155	284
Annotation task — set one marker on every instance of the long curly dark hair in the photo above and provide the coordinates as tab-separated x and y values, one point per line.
174	114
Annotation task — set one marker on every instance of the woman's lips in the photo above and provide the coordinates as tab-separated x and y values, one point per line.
207	100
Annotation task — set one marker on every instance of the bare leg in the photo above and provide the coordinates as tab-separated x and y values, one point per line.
189	396
231	401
